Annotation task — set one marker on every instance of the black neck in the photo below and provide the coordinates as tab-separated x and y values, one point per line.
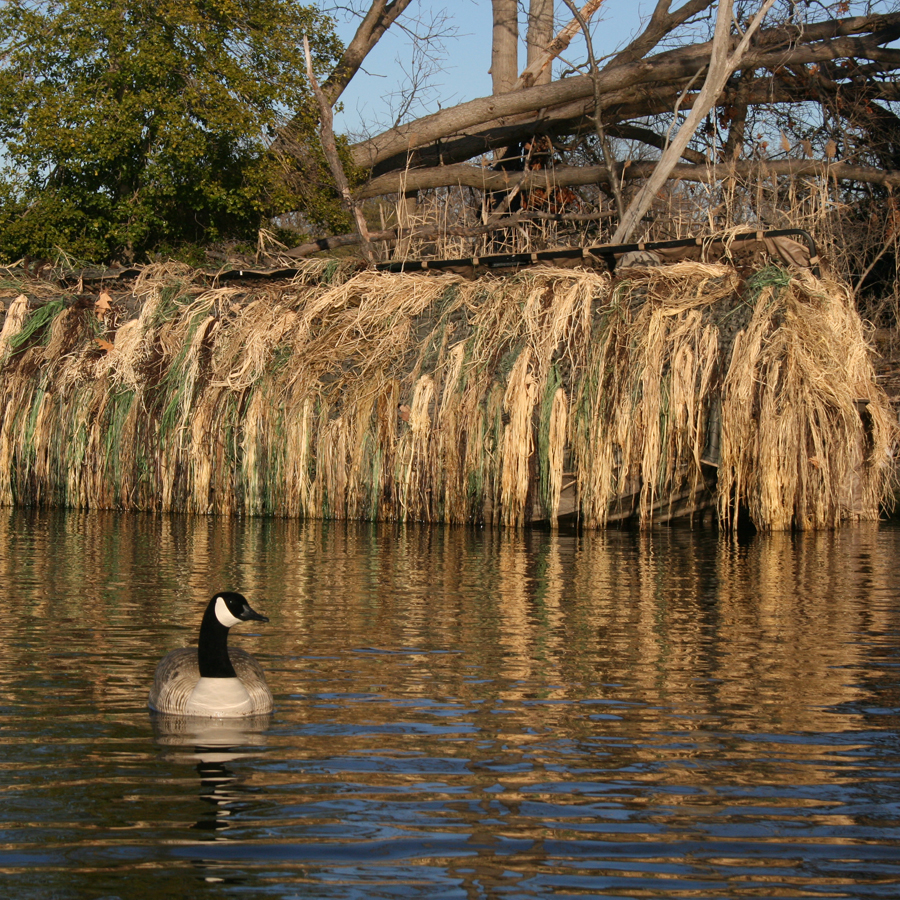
212	649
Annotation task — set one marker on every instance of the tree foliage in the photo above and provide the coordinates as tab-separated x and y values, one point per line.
129	127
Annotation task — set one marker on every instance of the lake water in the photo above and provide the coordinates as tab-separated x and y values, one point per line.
459	713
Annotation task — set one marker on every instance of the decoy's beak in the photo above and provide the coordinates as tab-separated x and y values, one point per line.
251	615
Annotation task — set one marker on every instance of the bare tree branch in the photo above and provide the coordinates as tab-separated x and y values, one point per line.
381	15
562	40
652	139
608	158
721	66
326	132
661	23
486	179
775	48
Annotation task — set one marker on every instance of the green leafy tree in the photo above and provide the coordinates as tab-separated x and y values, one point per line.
136	126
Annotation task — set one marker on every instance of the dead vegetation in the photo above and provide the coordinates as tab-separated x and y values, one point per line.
367	395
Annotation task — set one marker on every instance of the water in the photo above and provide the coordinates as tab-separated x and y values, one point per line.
458	713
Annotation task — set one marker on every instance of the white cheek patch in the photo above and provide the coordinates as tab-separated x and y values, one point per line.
223	614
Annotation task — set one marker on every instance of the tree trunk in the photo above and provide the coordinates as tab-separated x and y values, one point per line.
505	49
538	62
540	34
622	106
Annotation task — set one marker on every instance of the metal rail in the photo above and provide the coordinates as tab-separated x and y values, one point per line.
609	253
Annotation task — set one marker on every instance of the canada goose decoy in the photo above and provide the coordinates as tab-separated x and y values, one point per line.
212	680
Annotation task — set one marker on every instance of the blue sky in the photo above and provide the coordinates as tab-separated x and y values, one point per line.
368	104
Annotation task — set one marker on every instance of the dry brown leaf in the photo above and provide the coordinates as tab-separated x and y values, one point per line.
103	304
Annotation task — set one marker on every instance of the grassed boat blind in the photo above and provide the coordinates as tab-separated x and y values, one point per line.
647	393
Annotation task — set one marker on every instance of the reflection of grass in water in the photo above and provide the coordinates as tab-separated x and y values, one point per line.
434	398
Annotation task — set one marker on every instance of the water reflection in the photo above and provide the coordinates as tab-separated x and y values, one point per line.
458	712
186	738
211	745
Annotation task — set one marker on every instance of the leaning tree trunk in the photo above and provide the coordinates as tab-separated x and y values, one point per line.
721	65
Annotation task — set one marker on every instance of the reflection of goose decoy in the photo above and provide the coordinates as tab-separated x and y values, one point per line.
193	740
213	680
212	745
220	788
